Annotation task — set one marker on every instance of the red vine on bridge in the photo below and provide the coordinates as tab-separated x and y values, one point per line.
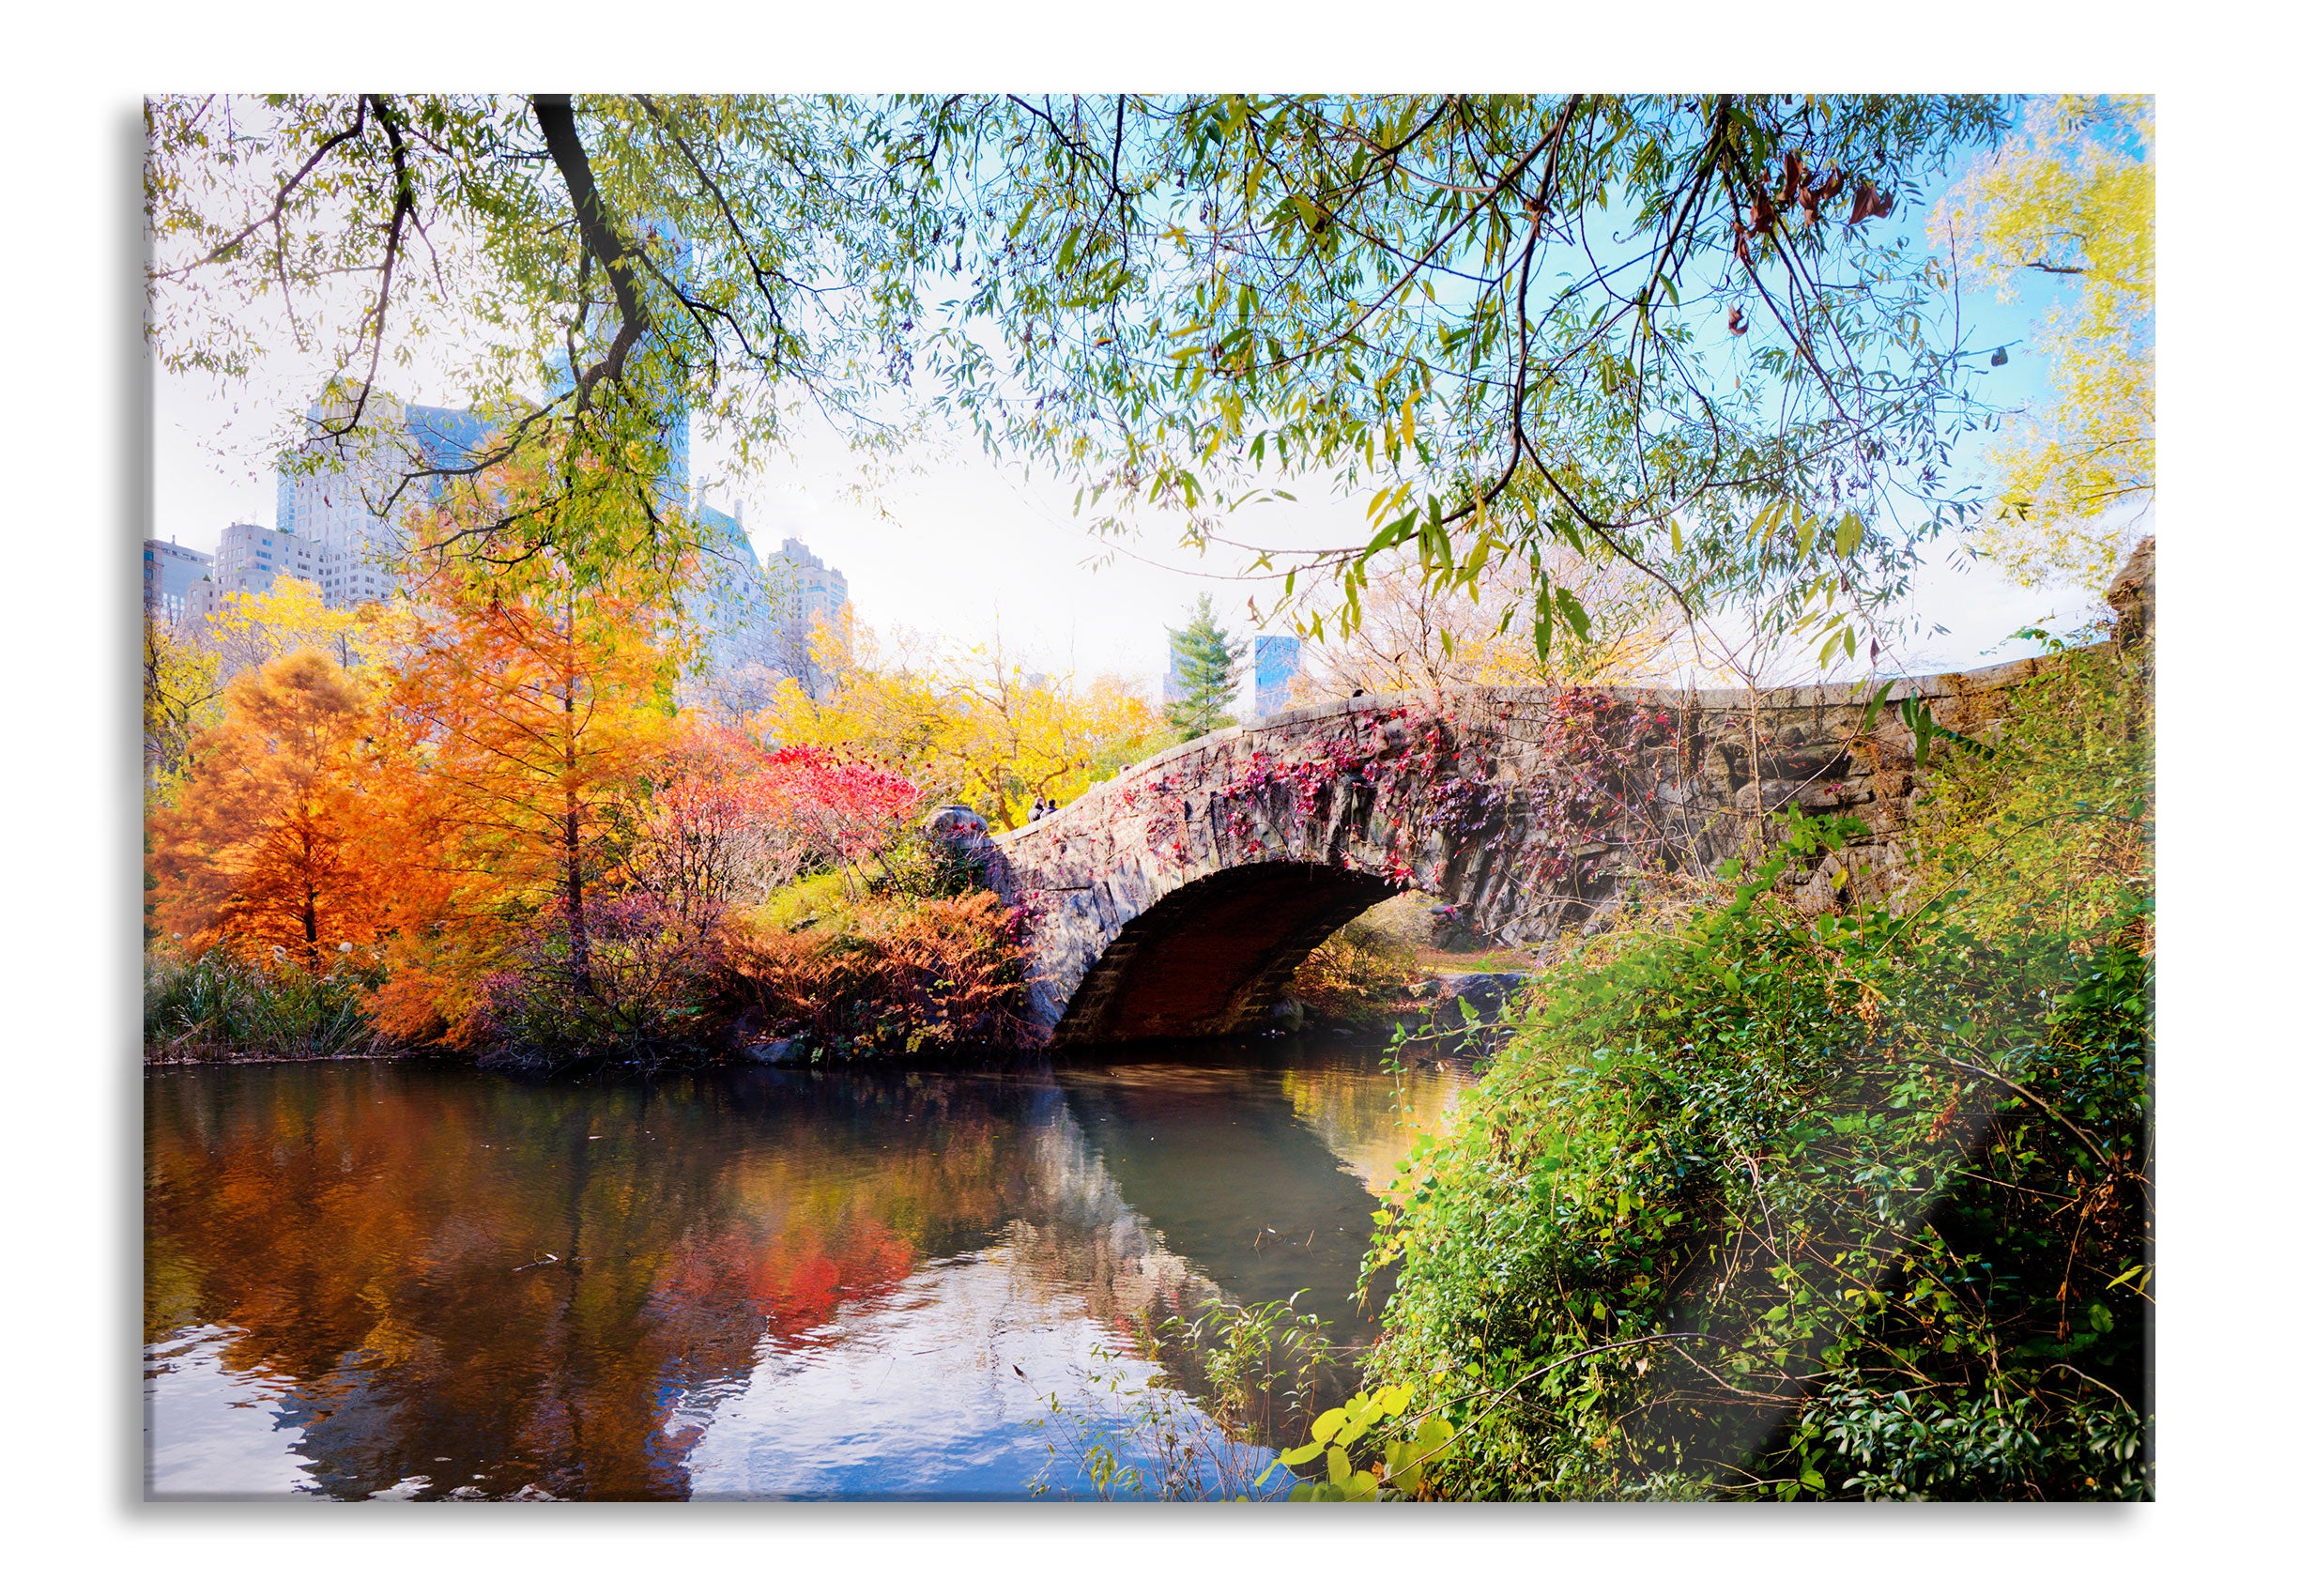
1408	775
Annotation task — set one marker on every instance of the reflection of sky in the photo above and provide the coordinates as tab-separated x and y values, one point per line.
917	1393
211	1431
914	1394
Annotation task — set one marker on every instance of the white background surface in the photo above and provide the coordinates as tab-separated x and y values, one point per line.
74	424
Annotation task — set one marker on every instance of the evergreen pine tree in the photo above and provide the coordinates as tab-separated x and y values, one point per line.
1207	673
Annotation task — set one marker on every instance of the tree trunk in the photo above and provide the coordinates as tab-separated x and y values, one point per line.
578	935
311	927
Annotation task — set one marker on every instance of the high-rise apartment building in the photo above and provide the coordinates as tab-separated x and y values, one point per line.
805	592
249	559
351	496
758	617
170	570
349	499
740	664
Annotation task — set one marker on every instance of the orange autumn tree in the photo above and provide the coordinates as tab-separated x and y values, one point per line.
265	846
517	719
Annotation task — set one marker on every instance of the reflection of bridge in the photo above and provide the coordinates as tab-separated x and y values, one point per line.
1178	899
1228	1177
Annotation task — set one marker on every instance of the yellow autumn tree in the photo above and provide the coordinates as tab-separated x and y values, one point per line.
881	699
1022	735
183	690
981	729
250	630
1414	635
2071	197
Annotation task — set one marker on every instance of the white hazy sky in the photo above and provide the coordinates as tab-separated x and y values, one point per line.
950	546
958	547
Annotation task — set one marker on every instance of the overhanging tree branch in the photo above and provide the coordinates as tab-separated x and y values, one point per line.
555	117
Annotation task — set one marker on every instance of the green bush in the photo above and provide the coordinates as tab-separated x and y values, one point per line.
1779	1204
917	866
218	1005
1357	974
913	868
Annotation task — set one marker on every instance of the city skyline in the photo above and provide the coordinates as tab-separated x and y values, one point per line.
337	498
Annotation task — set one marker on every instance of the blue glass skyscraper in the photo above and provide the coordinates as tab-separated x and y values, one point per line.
1278	660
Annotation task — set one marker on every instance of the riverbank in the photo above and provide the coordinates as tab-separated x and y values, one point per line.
822	974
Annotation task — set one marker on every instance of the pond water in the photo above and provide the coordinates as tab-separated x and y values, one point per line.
401	1280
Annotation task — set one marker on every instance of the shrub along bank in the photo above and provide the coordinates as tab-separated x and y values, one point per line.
1765	1202
220	1005
910	955
884	976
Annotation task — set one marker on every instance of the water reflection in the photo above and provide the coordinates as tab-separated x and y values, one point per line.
381	1279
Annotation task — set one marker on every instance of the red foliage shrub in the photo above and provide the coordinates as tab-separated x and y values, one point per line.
828	809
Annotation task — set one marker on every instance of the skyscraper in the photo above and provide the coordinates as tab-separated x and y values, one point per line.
345	496
170	569
758	617
249	559
805	592
1278	660
731	606
349	496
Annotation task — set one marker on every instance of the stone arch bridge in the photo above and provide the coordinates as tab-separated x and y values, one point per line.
1178	899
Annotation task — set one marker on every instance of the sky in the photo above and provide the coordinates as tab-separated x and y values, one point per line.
954	547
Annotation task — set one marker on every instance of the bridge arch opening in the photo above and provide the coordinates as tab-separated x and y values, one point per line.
1210	958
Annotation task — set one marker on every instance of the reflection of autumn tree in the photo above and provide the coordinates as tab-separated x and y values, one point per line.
1371	1122
328	1214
